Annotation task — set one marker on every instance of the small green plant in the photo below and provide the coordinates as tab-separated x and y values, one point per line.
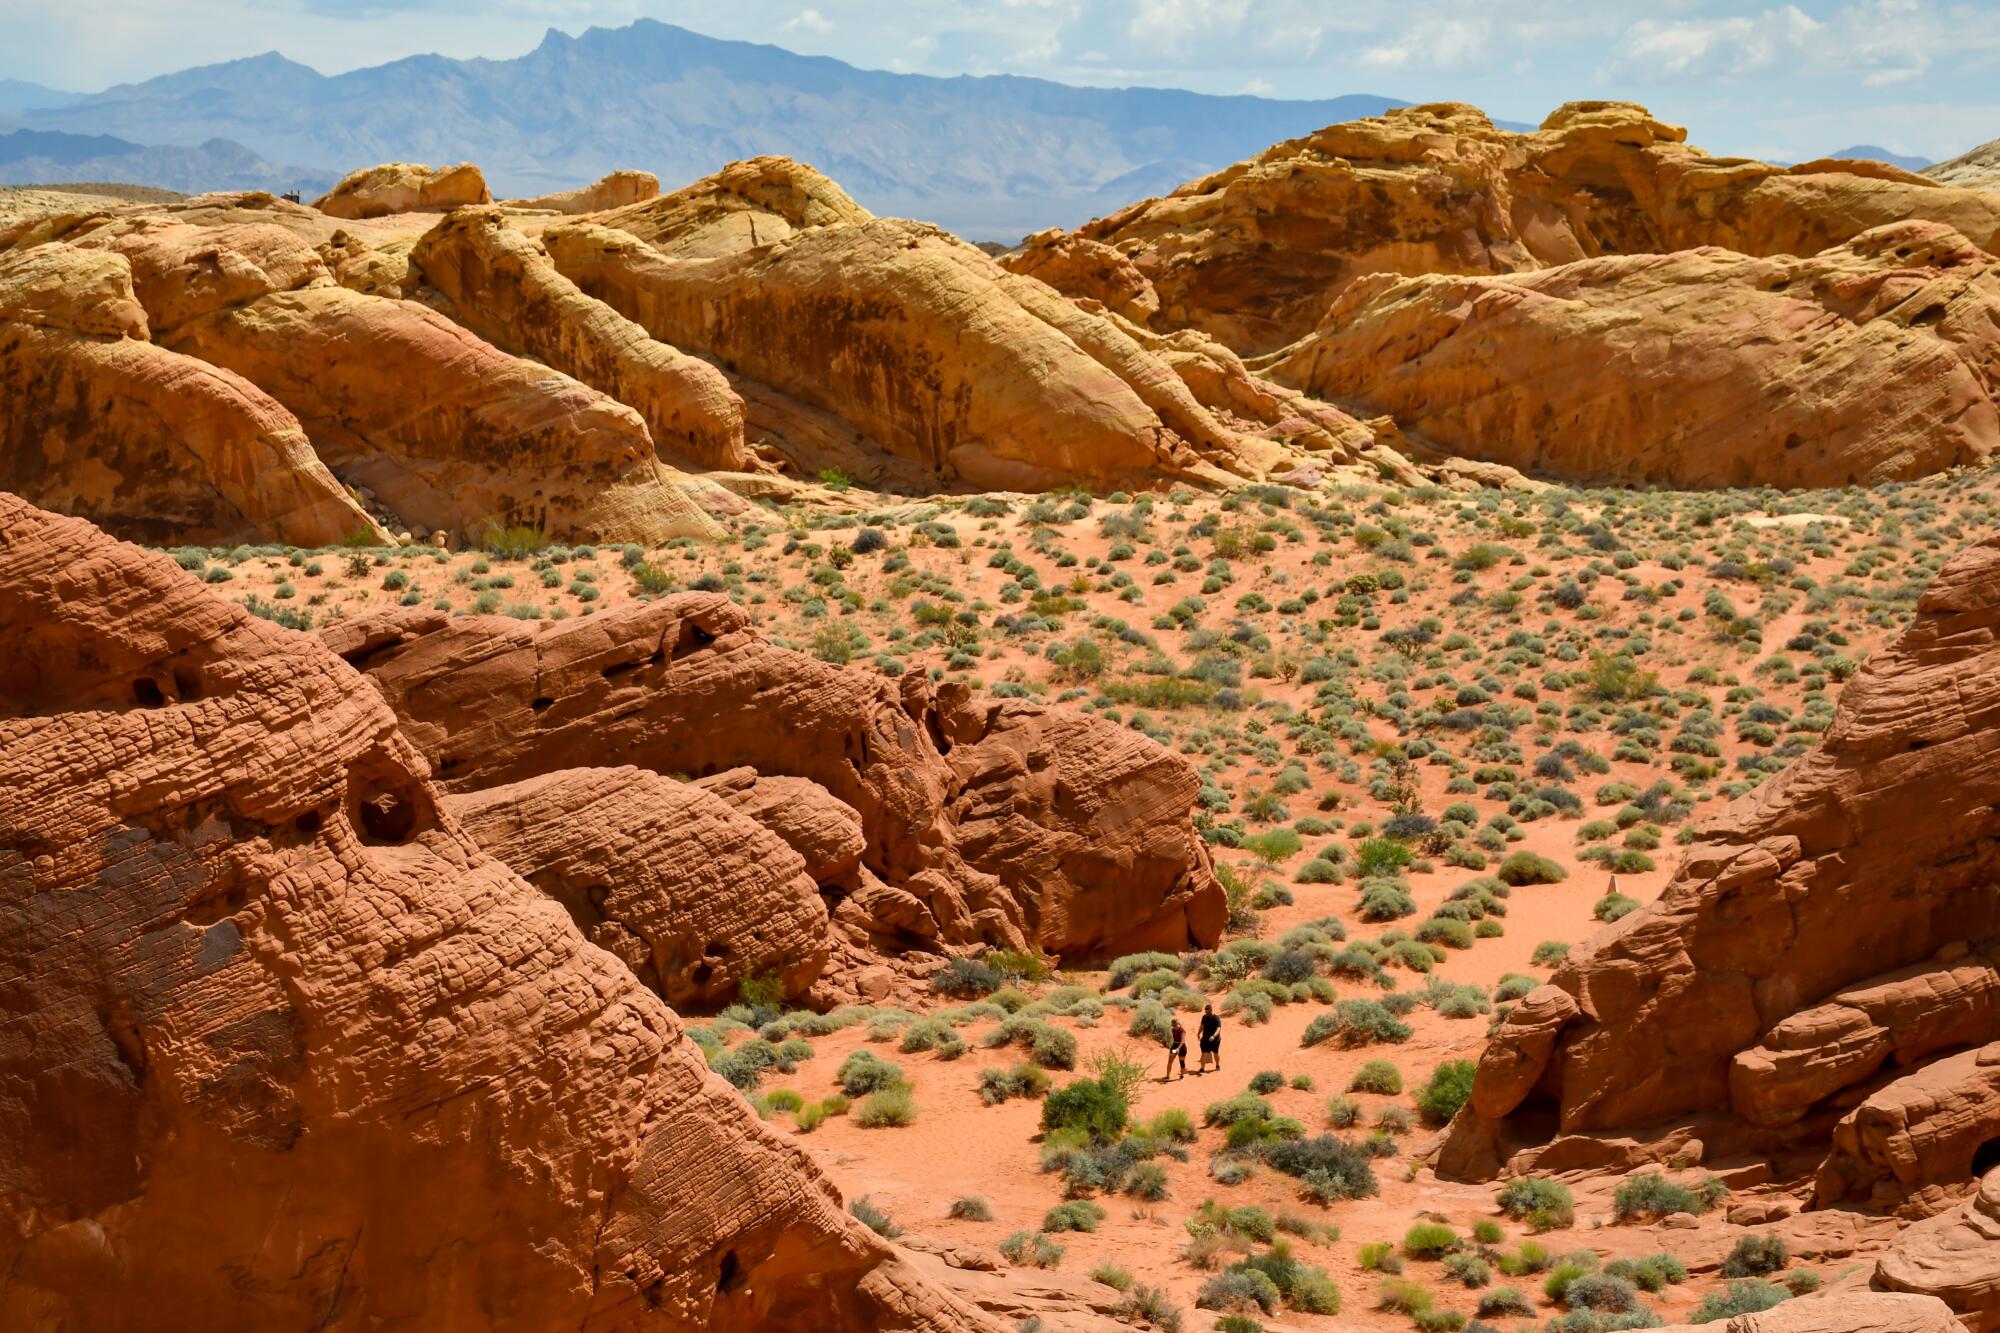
874	1218
1112	1276
1449	1088
1430	1240
1076	1215
1543	1204
1377	1076
891	1107
1756	1256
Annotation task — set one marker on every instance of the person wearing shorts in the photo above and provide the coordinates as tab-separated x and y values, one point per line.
1176	1046
1211	1039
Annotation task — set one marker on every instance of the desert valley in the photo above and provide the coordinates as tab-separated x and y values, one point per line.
680	755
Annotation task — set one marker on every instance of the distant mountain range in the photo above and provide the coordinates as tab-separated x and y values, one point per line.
52	157
990	158
17	95
1869	152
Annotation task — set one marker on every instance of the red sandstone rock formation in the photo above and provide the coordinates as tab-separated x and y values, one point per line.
1841	1311
498	283
1877	360
1954	1257
983	819
691	894
1806	978
97	421
404	187
285	1048
1255	253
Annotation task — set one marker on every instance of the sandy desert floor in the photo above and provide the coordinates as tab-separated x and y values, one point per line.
1583	675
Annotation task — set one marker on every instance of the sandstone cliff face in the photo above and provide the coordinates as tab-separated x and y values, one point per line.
981	820
1818	957
501	285
97	421
1254	254
404	187
1877	360
286	1049
615	190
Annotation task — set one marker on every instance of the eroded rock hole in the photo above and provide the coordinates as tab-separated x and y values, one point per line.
727	1274
1986	1159
147	694
389	808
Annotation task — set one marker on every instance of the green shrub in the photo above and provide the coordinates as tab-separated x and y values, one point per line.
1098	1110
1544	1204
971	1208
1519	868
1430	1240
1377	1076
1653	1273
1112	1276
1746	1296
1504	1301
873	1218
1603	1293
1076	1215
891	1107
863	1072
1650	1194
1266	1081
1343	1112
1023	1080
1029	1249
1756	1256
1172	1125
1449	1088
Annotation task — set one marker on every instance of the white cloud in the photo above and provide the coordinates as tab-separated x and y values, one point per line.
1448	45
1259	87
1739	44
807	20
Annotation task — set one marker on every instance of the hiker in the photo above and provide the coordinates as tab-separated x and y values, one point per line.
1176	1046
1211	1039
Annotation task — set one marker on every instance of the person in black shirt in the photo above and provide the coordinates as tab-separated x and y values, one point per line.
1176	1046
1211	1039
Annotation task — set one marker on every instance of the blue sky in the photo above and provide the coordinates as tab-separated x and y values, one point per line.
1785	81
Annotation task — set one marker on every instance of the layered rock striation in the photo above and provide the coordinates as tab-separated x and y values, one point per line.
404	187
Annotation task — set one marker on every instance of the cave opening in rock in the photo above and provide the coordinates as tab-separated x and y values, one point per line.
1986	1158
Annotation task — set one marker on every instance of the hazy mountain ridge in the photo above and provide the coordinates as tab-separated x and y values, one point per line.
53	157
990	157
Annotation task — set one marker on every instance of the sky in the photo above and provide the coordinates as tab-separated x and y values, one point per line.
1787	81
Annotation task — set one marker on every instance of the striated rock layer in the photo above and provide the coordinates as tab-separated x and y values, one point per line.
1819	975
1978	169
284	1048
1255	253
1876	360
981	820
97	421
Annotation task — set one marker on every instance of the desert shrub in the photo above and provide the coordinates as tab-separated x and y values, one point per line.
1404	1296
1023	1080
1519	868
1098	1109
1243	1106
1240	1290
966	978
1029	1249
1504	1301
1557	1284
971	1208
1544	1204
1385	900
891	1107
1341	1166
1532	1257
1076	1215
1468	1268
1377	1076
1343	1112
1653	1273
1112	1276
1130	967
1147	1181
1745	1296
1756	1256
864	1072
1266	1081
1449	1087
873	1218
1430	1240
1603	1293
1172	1125
1650	1194
1487	1232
